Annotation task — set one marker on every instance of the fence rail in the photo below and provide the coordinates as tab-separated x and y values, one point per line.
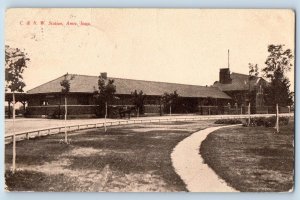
76	127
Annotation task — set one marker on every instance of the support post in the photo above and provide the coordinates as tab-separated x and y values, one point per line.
14	137
277	119
105	129
9	111
249	117
66	112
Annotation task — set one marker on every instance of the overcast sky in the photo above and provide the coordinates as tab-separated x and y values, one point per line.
181	46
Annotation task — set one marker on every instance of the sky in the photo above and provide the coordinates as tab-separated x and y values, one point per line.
186	46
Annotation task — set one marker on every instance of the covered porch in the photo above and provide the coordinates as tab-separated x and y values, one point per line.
21	103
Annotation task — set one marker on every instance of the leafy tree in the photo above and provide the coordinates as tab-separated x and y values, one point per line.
105	95
138	99
278	63
170	100
16	61
66	85
278	92
253	71
253	74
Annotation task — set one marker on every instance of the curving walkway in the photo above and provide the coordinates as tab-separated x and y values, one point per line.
190	166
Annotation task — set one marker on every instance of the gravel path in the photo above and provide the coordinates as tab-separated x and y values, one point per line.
189	165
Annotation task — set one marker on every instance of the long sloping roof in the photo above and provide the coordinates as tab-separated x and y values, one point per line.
239	82
88	84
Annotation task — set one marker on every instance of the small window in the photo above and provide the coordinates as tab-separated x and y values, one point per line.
44	103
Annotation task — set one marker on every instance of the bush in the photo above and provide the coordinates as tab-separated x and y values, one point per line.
266	121
228	121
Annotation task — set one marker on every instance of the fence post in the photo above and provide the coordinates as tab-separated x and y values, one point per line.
277	119
27	136
105	129
249	114
14	136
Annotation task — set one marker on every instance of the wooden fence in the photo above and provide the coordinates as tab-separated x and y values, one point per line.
76	127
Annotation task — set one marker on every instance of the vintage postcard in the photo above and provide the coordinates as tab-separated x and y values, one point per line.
149	100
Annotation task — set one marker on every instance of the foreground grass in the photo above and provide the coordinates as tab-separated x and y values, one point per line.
252	159
126	158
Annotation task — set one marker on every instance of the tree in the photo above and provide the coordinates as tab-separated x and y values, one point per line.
138	99
253	71
253	74
16	61
66	85
170	100
278	63
105	95
278	92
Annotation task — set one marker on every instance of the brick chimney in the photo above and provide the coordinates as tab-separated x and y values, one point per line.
224	76
103	75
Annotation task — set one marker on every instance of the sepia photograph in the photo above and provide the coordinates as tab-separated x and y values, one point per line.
149	100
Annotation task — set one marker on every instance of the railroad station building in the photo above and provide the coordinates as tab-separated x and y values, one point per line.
228	95
47	100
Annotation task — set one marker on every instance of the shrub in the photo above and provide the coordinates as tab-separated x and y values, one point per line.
228	121
266	121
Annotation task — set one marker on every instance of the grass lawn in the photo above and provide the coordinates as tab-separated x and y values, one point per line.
252	159
126	158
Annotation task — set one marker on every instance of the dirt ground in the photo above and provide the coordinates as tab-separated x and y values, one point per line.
126	158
